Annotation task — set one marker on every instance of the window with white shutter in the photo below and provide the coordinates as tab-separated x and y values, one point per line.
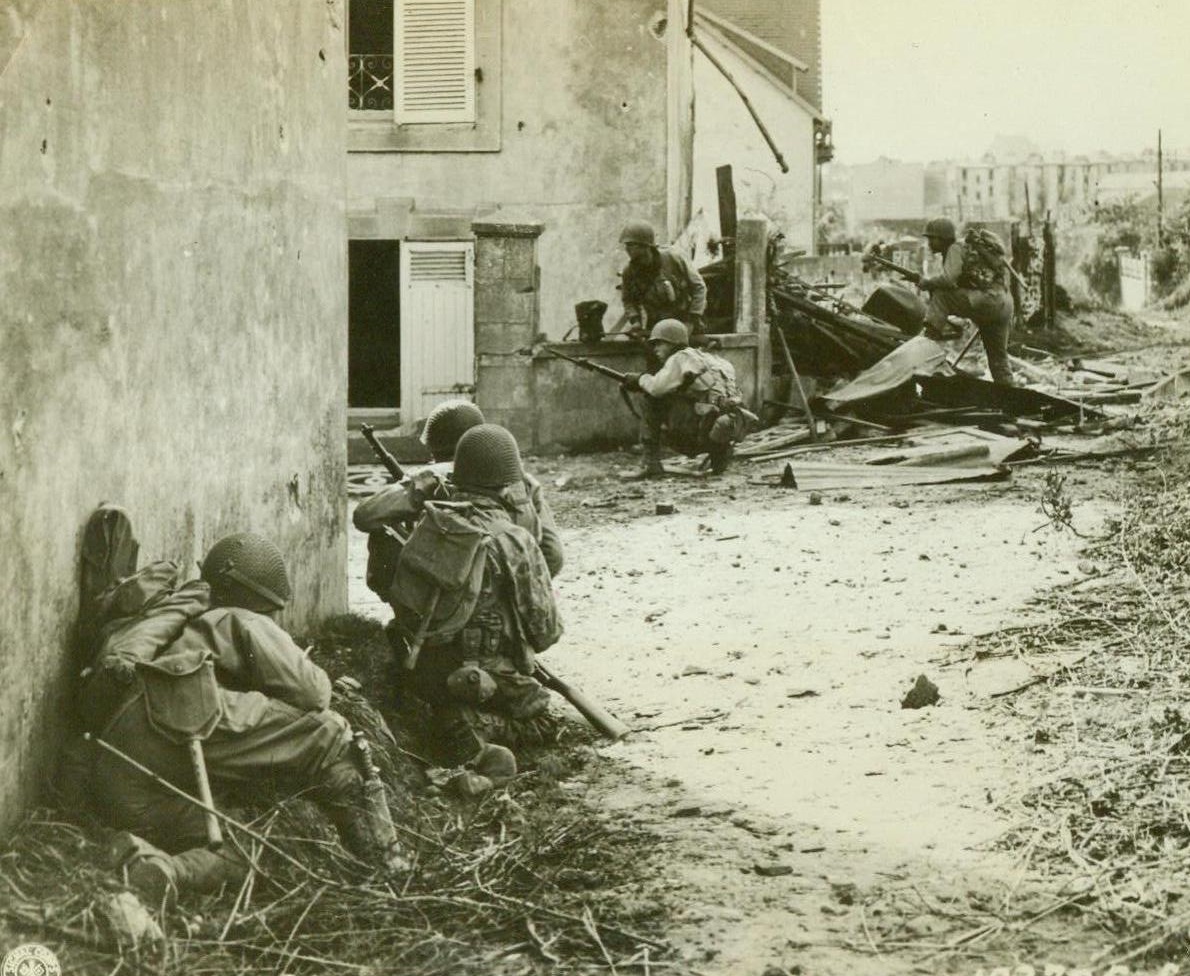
434	54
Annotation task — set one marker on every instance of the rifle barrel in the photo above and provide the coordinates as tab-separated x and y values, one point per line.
390	463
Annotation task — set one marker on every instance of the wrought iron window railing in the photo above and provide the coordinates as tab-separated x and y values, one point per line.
370	82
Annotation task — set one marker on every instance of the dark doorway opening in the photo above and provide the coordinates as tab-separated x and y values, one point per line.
373	324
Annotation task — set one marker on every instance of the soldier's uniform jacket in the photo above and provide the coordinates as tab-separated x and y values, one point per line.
254	658
671	289
700	376
274	725
514	617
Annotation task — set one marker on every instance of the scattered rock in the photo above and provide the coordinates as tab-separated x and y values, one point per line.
815	498
924	692
1087	568
687	810
665	508
801	693
834	522
132	925
844	892
940	629
772	870
599	503
692	669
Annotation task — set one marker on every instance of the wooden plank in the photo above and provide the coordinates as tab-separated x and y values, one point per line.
727	205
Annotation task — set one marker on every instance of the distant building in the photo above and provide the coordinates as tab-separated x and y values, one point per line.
987	189
1142	188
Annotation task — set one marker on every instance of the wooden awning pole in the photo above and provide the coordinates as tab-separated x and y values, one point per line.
697	42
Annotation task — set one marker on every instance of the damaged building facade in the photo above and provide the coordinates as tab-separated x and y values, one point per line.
495	151
174	274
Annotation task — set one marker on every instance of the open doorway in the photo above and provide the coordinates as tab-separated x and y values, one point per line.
373	324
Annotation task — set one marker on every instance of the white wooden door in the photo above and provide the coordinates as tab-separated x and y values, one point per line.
437	325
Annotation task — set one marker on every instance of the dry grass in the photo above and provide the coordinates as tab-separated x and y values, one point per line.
1110	828
523	880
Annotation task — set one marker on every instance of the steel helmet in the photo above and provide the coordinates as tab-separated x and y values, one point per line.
941	228
638	232
487	457
447	422
671	331
247	570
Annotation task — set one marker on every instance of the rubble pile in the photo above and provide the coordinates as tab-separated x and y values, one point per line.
863	381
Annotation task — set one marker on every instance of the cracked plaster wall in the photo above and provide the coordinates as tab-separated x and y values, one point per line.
173	313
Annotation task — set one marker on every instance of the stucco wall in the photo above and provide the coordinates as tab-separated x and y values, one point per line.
724	133
583	87
173	329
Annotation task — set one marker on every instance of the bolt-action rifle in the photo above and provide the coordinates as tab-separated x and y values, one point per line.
872	257
600	718
592	366
381	452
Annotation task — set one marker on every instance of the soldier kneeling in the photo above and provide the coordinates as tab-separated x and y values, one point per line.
692	401
473	600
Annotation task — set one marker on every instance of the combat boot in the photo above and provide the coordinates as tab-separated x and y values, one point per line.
159	878
652	465
720	456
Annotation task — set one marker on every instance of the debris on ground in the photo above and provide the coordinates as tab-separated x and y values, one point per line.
923	693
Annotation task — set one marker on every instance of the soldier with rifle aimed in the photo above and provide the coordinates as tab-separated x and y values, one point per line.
691	400
972	285
398	506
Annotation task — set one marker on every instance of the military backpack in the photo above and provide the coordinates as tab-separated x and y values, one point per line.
984	259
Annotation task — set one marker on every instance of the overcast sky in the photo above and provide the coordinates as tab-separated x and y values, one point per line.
934	79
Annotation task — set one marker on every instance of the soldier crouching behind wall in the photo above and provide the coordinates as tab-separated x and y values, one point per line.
274	726
473	602
691	402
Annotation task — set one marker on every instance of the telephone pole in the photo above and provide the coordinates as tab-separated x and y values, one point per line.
1160	197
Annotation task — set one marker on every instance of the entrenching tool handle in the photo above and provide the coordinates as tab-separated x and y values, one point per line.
214	833
422	629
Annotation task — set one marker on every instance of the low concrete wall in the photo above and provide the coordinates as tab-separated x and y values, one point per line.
552	405
173	265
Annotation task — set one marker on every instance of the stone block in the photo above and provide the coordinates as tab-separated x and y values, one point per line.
520	259
489	261
502	304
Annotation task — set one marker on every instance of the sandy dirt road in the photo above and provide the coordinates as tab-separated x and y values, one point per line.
760	646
